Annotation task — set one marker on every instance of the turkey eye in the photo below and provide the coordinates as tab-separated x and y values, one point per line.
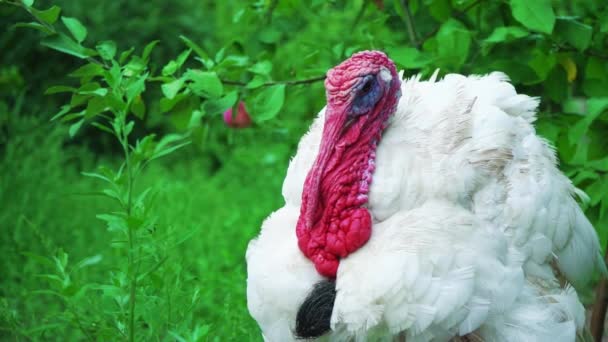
366	87
367	95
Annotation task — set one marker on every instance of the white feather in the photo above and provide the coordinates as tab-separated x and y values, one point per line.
469	213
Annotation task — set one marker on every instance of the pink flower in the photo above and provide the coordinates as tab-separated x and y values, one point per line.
240	120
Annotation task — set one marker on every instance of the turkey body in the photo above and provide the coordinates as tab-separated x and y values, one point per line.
475	230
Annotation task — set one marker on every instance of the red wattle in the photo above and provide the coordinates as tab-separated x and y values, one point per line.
334	221
345	225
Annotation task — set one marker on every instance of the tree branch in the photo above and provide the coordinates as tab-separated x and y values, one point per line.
588	53
271	83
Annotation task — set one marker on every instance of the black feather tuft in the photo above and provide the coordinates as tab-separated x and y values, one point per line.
314	315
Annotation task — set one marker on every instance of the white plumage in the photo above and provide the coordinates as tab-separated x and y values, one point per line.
473	227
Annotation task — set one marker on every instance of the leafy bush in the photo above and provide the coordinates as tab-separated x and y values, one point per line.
131	82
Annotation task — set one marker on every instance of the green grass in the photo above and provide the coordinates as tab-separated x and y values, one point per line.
204	222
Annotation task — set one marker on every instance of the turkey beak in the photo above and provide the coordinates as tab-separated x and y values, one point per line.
335	119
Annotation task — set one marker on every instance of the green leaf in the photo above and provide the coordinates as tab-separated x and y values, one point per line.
43	260
584	175
262	68
106	49
181	59
124	55
129	127
174	65
205	83
234	61
135	66
75	127
556	85
49	16
98	92
542	63
453	43
72	116
219	56
269	34
575	33
599	164
169	69
113	76
167	145
268	102
596	69
66	45
195	119
93	260
148	49
136	87
518	72
536	15
596	107
218	106
28	3
548	130
172	88
409	58
34	25
597	190
59	89
90	69
197	49
64	110
256	82
114	222
503	34
78	31
168	104
138	107
102	127
440	9
95	106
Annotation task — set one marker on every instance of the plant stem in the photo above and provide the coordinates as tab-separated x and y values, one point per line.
409	23
131	236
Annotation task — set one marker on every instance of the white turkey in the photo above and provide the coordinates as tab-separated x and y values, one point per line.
422	211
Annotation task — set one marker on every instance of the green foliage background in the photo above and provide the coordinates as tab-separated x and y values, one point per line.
66	270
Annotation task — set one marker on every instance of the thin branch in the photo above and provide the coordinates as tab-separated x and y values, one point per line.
588	53
409	23
271	83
